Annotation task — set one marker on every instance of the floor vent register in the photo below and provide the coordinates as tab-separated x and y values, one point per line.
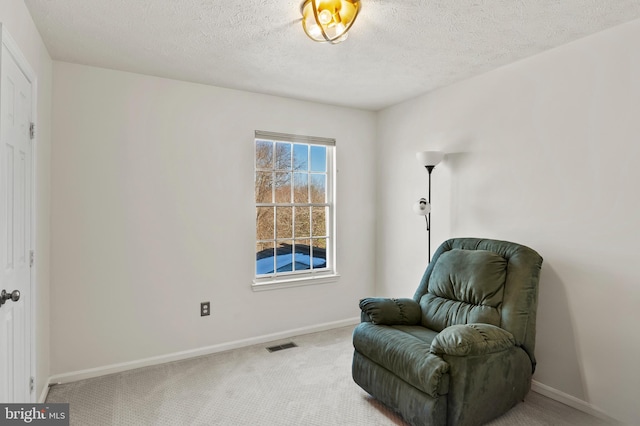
276	348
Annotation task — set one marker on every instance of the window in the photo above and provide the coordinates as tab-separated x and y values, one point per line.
294	208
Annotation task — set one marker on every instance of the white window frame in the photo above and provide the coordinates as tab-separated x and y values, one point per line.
311	276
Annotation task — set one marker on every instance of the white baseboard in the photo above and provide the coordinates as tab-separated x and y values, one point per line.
177	356
571	401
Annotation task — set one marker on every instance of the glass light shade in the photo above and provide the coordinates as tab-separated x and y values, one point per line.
328	20
422	207
429	158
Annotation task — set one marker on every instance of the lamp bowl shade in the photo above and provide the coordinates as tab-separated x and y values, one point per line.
429	158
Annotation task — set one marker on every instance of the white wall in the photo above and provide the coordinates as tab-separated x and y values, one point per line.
16	18
152	213
543	152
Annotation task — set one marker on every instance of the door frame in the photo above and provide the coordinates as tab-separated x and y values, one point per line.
23	65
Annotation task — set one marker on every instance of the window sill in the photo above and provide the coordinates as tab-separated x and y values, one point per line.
294	282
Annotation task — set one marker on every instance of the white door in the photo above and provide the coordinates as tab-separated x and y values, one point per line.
15	231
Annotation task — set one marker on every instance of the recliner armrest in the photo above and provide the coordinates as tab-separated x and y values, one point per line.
383	311
471	339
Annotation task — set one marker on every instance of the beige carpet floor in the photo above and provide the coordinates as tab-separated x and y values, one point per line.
306	385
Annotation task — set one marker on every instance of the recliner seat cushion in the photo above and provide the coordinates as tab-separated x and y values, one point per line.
466	286
404	351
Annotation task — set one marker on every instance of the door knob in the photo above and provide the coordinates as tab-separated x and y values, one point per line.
13	296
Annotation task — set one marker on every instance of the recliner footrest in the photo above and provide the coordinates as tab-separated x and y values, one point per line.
403	354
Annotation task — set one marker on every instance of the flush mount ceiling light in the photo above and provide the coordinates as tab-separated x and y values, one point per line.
329	20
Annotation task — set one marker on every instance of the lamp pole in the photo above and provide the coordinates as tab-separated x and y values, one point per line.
429	170
429	159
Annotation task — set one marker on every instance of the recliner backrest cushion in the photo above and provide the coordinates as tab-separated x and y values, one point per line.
466	286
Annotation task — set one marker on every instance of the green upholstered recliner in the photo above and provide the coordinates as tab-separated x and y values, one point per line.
461	351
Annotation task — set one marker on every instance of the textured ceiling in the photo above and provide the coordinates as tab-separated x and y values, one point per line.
396	50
